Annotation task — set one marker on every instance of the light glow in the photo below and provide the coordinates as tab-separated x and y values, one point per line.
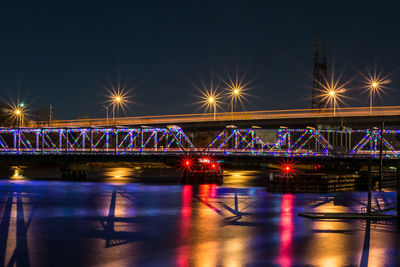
186	163
375	83
287	168
118	99
237	89
118	96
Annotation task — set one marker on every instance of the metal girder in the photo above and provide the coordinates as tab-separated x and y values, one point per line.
275	142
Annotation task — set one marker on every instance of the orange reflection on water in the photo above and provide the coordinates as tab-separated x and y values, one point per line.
118	173
208	191
205	249
235	253
332	239
17	173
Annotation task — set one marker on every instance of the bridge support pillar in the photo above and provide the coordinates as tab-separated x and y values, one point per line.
74	171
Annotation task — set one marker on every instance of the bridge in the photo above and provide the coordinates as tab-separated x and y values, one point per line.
230	140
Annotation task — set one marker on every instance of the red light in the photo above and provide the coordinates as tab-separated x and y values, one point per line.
287	168
186	163
213	166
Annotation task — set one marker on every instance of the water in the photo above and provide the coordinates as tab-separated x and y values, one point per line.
54	223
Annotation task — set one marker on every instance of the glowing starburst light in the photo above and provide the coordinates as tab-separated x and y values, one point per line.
287	168
237	89
210	100
332	93
118	98
374	84
17	115
17	111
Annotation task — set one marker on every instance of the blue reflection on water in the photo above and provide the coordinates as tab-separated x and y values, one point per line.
47	223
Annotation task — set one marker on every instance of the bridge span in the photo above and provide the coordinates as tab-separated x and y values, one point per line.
228	141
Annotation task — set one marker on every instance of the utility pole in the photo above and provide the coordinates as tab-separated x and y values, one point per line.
381	157
369	185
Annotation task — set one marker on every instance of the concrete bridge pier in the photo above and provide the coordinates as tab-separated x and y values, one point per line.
74	171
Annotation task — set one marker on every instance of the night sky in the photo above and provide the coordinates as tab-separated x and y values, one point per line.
60	54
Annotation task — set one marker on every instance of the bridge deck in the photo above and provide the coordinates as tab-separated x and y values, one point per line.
294	114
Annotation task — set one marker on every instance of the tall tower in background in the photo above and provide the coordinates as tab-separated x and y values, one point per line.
320	74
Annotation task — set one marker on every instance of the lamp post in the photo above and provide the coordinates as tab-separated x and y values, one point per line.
18	114
117	101
332	95
234	95
212	102
374	86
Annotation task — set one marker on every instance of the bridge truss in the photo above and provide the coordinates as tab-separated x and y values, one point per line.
95	140
259	142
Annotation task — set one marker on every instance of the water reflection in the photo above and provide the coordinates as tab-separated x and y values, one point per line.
17	173
184	226
81	224
15	220
117	174
286	228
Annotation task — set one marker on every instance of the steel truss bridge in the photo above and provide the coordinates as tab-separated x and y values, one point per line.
283	142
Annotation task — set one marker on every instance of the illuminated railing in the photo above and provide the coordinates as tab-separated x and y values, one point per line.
282	142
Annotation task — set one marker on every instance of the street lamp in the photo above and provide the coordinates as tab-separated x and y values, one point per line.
235	94
332	94
117	101
212	102
117	98
373	87
236	89
375	83
18	114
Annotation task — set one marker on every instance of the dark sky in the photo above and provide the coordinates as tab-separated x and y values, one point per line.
59	54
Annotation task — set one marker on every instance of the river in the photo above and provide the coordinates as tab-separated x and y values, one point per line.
123	223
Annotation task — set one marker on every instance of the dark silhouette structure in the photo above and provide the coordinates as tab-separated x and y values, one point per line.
320	75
